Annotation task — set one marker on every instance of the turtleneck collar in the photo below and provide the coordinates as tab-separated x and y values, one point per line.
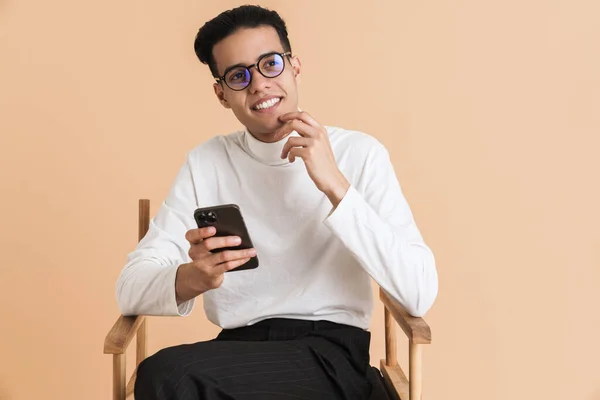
266	153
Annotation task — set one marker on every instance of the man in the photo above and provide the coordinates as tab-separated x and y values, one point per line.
325	213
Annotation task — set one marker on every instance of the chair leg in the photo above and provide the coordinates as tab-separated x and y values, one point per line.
142	343
391	352
415	371
119	376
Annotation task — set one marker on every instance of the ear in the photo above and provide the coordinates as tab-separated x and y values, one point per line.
220	93
296	66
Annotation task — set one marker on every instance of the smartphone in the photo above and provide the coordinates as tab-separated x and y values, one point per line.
228	221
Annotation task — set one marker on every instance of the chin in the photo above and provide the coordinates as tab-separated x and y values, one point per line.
265	127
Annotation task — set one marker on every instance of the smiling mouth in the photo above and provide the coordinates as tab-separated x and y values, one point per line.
265	105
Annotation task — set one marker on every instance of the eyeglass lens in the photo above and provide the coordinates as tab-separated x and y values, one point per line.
269	66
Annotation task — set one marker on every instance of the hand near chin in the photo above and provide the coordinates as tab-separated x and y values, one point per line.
314	147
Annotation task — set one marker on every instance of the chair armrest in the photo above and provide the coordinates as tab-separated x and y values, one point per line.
121	334
415	328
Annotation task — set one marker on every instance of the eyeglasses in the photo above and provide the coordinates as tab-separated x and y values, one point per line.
269	65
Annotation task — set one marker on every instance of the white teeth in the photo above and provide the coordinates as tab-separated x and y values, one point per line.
267	104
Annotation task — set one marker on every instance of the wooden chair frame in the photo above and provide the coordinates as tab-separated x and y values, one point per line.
400	387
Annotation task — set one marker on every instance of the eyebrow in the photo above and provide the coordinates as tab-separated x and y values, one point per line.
244	65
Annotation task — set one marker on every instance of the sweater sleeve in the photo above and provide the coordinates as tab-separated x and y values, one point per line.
146	285
376	225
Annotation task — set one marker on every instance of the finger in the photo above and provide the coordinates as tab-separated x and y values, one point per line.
203	248
295	125
302	116
294	142
220	242
228	266
195	236
193	253
231	255
301	152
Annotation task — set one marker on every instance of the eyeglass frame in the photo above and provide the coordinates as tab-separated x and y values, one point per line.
282	55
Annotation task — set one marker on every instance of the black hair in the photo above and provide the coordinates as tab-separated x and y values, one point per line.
228	22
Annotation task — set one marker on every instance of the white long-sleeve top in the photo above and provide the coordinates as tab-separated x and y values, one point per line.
315	261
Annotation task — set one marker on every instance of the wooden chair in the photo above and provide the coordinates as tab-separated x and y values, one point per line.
401	387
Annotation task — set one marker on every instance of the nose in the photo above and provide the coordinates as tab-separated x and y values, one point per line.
258	82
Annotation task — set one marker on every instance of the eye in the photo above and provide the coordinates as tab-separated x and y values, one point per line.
237	76
272	62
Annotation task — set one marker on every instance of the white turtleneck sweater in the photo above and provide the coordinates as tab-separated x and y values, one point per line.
315	261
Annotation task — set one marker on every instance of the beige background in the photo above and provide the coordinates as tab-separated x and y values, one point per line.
490	110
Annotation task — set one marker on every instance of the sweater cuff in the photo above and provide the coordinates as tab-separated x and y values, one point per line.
344	214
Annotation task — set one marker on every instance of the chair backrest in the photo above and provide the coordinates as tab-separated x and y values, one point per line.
144	218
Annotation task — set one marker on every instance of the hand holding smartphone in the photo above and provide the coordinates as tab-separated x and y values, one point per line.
221	244
228	221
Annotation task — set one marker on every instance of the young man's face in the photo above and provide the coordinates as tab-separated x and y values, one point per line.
244	47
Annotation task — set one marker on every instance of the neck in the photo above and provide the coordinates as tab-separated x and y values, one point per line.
267	148
269	137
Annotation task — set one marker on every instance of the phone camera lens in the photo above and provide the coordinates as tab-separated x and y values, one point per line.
211	217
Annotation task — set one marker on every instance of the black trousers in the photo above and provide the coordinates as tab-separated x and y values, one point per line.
273	359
